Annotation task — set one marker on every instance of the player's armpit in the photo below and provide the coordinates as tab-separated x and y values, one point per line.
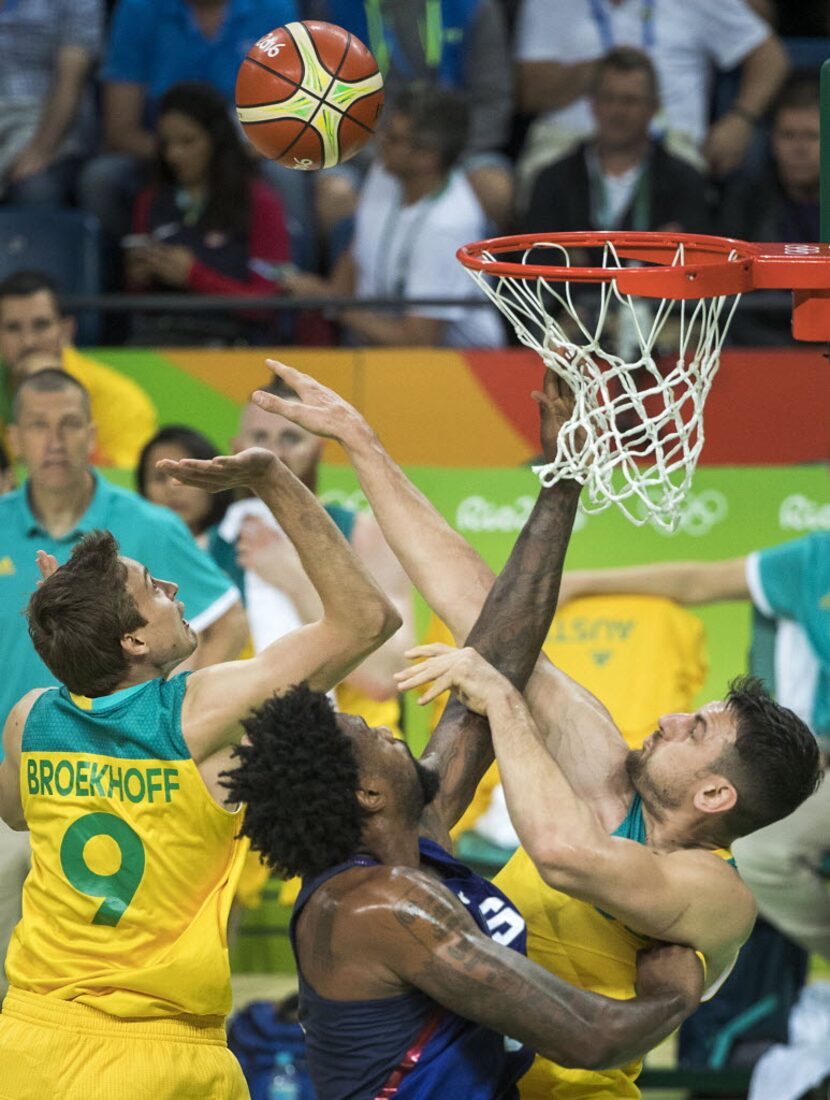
691	897
427	939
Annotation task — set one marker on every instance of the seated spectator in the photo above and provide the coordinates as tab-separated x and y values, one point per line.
207	225
621	178
560	45
47	115
464	47
154	44
416	209
201	511
34	335
782	204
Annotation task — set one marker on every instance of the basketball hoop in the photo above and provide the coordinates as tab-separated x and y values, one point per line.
603	310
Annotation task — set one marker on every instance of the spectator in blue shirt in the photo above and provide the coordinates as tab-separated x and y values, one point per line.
152	45
47	117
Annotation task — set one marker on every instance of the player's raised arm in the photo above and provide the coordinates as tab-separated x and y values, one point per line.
409	924
685	582
356	618
513	622
452	577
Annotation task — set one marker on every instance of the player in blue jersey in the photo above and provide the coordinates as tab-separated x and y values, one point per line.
413	980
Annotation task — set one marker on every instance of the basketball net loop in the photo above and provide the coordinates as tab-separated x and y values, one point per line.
637	431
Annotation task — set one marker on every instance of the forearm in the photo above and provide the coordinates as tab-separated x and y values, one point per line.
61	105
446	570
375	676
554	825
762	74
513	624
688	582
549	85
346	589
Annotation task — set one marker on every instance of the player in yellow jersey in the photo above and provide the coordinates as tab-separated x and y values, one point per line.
118	972
619	847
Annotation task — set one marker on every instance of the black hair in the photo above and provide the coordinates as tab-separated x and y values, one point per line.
23	284
801	89
297	773
628	59
195	445
230	169
774	764
439	119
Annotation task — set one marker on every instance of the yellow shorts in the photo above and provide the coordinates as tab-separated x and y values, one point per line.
51	1048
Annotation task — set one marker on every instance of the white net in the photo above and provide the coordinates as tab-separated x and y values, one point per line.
637	428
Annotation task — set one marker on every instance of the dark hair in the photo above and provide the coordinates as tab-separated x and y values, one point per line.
439	119
801	89
628	59
78	617
195	445
5	461
774	764
23	284
298	776
50	380
230	169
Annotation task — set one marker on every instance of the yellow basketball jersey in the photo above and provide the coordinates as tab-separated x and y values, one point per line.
573	940
134	864
577	942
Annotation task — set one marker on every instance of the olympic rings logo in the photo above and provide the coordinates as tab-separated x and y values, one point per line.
799	513
698	514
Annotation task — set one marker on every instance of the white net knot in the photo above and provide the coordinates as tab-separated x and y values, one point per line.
637	428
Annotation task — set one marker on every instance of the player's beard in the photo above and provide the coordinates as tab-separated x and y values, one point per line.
655	796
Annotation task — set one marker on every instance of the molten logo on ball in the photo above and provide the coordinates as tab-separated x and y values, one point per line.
309	95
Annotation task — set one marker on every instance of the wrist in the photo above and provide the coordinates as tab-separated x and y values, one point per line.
743	113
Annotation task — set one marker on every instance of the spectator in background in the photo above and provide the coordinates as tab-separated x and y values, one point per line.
35	334
154	44
47	115
461	46
415	210
782	204
560	45
207	225
201	511
621	178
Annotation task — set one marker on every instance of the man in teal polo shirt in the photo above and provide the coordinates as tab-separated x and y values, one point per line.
53	435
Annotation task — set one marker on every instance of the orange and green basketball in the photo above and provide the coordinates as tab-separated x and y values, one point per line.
309	95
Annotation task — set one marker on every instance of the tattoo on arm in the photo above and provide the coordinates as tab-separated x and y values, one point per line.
441	951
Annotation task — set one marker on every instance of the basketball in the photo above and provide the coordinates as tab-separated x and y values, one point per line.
309	95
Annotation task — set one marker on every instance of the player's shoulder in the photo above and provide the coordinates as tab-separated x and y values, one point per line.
379	887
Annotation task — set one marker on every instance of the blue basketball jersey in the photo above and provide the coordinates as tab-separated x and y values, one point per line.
409	1047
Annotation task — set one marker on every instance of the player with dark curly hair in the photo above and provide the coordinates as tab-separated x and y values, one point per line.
412	968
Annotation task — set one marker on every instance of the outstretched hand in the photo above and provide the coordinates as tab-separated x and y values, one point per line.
556	406
317	408
250	468
463	671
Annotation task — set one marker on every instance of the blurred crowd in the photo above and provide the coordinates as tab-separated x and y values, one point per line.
502	116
